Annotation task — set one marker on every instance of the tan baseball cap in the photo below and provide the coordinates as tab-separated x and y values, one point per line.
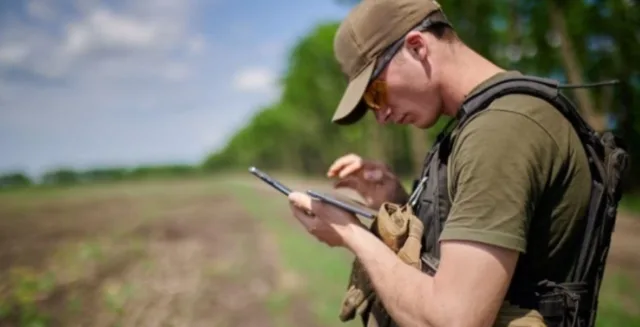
369	29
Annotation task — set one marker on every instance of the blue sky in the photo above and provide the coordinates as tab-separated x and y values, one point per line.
93	83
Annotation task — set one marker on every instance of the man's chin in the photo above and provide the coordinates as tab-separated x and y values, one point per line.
421	124
426	122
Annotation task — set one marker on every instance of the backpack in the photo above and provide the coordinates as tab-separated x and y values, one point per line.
572	302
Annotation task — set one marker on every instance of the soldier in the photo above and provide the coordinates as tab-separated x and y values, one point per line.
517	175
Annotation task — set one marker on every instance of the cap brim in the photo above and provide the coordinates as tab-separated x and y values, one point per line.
351	107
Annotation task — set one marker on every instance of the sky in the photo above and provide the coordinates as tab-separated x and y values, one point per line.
87	83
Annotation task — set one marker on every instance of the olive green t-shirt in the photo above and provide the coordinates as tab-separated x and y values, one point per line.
519	179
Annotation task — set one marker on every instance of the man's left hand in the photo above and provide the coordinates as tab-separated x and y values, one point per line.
327	223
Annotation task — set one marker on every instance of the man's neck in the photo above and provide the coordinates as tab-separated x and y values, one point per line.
467	69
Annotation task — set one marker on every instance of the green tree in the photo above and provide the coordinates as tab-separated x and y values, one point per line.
296	132
61	176
16	179
575	42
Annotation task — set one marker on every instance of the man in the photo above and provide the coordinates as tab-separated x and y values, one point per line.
514	170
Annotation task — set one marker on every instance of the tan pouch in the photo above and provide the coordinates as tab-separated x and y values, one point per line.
514	316
398	228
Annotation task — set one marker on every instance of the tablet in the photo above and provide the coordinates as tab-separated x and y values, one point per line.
345	203
340	201
270	180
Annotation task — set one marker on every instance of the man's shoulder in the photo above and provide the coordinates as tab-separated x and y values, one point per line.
519	125
515	115
525	126
530	106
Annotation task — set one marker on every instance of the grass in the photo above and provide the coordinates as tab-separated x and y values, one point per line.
619	300
327	269
631	202
324	269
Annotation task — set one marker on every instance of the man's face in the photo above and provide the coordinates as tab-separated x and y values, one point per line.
408	88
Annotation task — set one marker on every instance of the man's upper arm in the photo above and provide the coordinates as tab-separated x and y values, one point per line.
497	172
471	282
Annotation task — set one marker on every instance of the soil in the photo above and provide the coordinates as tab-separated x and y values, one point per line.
169	258
200	261
625	243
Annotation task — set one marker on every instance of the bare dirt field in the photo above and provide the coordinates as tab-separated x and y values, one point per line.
192	253
139	260
625	244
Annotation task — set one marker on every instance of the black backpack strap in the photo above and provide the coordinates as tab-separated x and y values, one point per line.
544	88
556	297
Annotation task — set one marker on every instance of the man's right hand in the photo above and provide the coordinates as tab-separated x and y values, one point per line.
374	181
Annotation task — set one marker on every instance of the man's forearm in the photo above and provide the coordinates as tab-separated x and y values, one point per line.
404	290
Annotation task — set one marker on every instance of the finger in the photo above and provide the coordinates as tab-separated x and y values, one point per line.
306	220
341	162
372	170
350	169
306	203
300	200
300	206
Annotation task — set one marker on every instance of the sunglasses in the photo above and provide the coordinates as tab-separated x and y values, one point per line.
375	96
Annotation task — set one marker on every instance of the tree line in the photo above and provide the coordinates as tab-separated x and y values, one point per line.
69	176
575	42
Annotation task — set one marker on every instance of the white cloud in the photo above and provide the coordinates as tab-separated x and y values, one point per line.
106	30
254	79
140	33
87	82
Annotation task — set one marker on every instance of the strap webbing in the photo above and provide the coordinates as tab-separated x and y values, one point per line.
544	88
549	90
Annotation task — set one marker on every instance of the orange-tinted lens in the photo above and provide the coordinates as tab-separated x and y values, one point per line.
375	96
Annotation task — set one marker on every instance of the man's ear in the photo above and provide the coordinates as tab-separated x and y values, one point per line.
417	45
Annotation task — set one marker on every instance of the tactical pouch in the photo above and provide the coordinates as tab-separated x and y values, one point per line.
513	316
398	228
560	303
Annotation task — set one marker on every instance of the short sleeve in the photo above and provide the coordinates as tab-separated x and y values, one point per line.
498	168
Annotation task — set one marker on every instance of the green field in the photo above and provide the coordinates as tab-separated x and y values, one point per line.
219	251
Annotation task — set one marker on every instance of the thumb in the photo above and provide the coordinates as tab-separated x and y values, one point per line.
300	200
